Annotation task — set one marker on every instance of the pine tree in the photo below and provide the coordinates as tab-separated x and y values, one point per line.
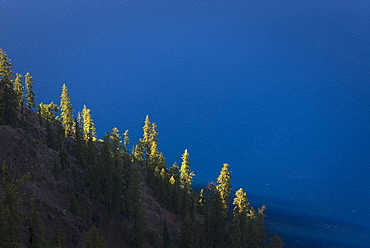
93	240
118	172
73	205
186	176
79	147
88	125
106	171
239	233
58	239
11	217
185	233
66	111
36	227
18	88
174	188
153	133
134	206
146	138
126	141
276	242
48	111
8	97
146	130
138	151
259	233
154	155
166	234
30	95
224	188
93	172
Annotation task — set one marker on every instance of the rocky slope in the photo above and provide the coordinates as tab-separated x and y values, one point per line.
26	153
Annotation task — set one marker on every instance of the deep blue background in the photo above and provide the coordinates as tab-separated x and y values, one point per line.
280	90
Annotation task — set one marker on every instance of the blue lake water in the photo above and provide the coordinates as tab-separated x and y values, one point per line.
280	90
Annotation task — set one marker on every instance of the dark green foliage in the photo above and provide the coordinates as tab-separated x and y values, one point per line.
152	236
11	217
79	143
30	95
93	240
36	227
48	111
126	141
8	97
276	242
174	188
241	223
64	161
224	188
73	205
88	125
134	206
214	224
58	239
186	233
92	175
166	234
113	178
66	115
138	151
106	164
18	88
56	170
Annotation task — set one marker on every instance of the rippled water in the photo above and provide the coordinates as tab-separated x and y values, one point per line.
280	90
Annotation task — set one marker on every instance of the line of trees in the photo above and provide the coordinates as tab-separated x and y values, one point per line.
112	174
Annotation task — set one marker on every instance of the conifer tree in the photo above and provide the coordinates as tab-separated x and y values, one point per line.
118	172
214	220
93	239
8	97
259	233
166	234
243	215
48	111
134	206
126	141
139	150
73	205
36	227
154	155
106	163
66	111
153	133
276	242
146	138
174	181
146	129
11	217
18	88
224	188
88	125
93	170
186	176
30	95
185	233
58	239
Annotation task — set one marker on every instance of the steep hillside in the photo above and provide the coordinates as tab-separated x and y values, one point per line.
53	183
